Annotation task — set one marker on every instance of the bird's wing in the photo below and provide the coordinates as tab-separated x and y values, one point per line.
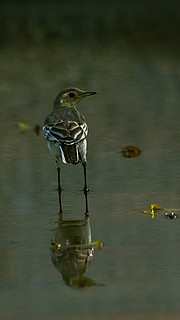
69	132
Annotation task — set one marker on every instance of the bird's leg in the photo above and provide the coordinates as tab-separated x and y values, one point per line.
85	189
59	189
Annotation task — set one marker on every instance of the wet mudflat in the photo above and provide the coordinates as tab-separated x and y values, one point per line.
48	270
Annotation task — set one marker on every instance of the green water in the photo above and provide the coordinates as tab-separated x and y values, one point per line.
136	274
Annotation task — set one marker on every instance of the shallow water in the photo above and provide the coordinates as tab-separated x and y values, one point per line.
136	274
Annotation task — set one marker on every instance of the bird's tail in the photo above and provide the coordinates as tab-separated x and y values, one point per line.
70	153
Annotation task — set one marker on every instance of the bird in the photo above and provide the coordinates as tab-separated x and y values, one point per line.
65	130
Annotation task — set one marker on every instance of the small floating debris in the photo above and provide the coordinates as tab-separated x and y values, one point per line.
98	244
37	129
170	215
95	244
153	210
131	152
23	127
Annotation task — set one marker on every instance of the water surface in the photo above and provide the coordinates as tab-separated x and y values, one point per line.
136	274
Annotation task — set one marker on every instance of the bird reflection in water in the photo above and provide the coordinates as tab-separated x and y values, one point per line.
72	251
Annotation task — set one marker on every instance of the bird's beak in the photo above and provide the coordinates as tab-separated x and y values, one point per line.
88	93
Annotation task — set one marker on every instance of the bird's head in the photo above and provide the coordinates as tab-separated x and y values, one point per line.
70	97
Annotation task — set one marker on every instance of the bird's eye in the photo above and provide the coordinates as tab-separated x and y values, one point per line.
71	95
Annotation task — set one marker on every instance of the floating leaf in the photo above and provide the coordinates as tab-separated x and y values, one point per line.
130	152
152	210
155	207
98	244
153	214
37	129
23	126
57	244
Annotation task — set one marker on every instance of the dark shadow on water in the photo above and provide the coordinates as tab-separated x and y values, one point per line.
72	251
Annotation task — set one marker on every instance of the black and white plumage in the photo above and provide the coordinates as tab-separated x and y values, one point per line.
67	137
65	130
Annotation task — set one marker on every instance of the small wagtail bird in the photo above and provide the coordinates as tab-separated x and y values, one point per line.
65	130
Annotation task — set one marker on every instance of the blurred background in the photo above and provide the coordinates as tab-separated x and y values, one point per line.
129	52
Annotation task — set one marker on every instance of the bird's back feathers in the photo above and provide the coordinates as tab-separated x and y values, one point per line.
67	134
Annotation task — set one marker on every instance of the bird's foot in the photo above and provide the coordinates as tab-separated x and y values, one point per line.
59	190
86	190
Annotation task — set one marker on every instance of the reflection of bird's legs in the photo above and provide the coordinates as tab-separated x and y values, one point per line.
86	190
59	189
